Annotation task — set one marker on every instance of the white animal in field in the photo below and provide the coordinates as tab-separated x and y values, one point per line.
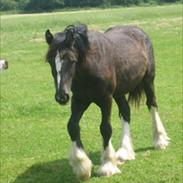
3	64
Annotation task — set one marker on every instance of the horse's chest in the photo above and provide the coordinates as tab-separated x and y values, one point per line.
90	88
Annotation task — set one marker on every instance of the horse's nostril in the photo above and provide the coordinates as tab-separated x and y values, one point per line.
64	98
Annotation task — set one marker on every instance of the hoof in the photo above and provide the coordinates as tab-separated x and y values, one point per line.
80	163
108	169
82	168
124	154
161	142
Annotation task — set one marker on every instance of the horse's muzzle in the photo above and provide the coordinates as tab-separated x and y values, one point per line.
63	99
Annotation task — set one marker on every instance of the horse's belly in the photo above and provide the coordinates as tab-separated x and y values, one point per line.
130	75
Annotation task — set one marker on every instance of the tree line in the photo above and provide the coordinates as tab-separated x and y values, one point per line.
50	5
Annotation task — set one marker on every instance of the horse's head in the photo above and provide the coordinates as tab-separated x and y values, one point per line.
66	49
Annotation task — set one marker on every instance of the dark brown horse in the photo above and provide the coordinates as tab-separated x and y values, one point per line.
98	67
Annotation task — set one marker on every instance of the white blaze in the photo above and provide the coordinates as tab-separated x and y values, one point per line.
58	65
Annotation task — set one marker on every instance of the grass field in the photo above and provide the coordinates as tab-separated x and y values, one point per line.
34	141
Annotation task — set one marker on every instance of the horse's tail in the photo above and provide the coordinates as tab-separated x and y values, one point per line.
136	95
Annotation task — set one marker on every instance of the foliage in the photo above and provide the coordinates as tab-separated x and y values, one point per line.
42	5
21	4
46	5
8	5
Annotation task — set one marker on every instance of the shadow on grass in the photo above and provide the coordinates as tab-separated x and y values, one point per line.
144	149
58	171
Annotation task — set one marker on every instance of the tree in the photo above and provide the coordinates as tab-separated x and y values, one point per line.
7	5
21	4
84	3
44	5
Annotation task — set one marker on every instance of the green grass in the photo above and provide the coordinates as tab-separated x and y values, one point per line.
34	140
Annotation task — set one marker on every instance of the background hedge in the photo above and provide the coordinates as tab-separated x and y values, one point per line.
49	5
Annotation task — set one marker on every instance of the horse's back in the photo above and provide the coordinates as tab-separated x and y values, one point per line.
134	56
132	36
133	32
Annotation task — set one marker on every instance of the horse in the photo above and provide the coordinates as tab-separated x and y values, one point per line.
3	64
98	67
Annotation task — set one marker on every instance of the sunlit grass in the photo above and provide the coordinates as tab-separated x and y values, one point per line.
34	139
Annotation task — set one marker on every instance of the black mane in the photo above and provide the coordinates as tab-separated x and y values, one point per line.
80	39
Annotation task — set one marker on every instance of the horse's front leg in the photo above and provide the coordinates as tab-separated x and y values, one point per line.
78	159
108	160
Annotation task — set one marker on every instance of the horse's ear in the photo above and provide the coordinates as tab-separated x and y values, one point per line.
69	38
48	36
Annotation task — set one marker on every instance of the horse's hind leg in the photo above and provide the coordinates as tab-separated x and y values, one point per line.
108	159
160	138
126	151
78	159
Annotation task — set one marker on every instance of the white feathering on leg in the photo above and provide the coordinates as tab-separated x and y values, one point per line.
125	152
80	162
160	138
109	163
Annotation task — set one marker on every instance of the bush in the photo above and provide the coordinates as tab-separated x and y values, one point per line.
46	5
21	4
8	5
84	3
42	5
